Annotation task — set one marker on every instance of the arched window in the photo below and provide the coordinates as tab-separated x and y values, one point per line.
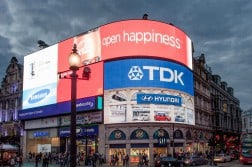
139	134
160	133
117	135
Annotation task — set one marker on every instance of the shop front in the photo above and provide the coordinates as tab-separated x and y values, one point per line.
87	139
42	135
42	141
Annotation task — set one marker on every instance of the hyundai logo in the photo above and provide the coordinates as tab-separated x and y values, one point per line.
147	98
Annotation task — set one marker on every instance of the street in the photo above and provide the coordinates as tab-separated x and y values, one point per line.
234	163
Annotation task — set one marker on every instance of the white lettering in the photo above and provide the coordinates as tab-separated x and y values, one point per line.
165	74
151	71
111	39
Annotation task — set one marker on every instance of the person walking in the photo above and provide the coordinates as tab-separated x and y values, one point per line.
19	160
12	161
126	158
36	160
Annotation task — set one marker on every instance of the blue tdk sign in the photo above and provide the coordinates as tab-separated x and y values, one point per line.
148	73
158	99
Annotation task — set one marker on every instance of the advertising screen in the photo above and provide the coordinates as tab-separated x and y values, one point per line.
42	86
148	90
40	78
145	38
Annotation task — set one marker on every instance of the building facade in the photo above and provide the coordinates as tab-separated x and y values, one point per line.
146	95
227	122
246	121
11	129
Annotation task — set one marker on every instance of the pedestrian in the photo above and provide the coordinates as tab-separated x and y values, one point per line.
126	160
36	160
12	161
19	160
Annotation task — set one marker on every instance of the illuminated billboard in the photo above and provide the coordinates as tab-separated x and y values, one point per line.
145	38
44	93
148	90
40	78
129	38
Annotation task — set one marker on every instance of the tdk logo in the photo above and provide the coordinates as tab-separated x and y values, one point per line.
165	74
135	73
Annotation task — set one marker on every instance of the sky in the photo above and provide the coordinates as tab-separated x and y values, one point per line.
221	29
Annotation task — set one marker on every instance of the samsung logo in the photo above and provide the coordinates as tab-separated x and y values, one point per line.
38	96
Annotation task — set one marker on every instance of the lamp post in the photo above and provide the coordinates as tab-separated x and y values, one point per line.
86	145
173	146
87	123
74	62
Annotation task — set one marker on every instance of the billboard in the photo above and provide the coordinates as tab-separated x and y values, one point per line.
40	78
41	83
145	38
129	38
148	90
43	91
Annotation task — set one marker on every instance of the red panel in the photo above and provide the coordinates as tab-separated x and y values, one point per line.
146	38
85	88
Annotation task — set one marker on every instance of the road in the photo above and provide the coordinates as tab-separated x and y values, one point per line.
234	163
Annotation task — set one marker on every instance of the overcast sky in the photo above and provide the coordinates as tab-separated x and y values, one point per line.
221	29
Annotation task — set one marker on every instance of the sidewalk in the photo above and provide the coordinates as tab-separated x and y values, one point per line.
32	164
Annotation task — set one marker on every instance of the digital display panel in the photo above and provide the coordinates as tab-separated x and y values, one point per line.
148	90
129	38
40	78
145	38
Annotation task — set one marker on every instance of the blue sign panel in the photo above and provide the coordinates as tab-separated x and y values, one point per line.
40	134
44	95
83	104
148	73
158	99
80	131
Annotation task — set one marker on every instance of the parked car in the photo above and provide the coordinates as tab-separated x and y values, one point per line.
168	161
195	160
179	118
222	158
161	116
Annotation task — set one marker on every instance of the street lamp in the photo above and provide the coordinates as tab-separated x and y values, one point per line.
86	141
74	62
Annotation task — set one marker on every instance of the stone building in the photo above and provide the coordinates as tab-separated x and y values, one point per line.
10	103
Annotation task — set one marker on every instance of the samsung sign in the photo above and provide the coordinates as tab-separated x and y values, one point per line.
158	99
148	73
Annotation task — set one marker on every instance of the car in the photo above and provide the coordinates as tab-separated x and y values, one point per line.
195	160
222	158
168	161
234	155
179	118
161	116
143	117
